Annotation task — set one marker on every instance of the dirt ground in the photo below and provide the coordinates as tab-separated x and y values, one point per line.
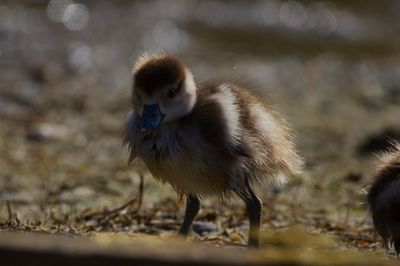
64	99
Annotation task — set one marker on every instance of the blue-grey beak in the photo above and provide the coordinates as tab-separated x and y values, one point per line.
151	117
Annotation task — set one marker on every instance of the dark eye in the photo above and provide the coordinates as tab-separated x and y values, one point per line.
172	92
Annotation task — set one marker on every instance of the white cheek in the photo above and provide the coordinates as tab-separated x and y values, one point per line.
184	102
174	109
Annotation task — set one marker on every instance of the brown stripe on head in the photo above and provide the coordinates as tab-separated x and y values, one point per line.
157	72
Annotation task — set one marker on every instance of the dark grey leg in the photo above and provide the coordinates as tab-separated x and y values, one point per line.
192	208
254	209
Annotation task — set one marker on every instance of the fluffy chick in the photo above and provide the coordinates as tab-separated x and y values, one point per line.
384	198
210	138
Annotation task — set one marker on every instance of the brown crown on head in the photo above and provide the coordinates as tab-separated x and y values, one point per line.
153	73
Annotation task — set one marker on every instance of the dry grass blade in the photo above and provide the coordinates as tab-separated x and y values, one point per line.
140	196
9	211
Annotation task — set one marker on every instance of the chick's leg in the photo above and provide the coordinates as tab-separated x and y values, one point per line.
192	208
254	209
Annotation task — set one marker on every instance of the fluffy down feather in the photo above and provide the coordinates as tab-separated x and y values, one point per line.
384	198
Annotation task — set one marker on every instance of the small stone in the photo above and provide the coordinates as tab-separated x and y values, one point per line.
47	132
204	227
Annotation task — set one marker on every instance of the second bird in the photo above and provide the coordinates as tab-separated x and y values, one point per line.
213	138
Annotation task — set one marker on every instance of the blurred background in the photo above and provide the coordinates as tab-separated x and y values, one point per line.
331	68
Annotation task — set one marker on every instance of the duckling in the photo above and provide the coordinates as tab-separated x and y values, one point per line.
211	138
384	199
